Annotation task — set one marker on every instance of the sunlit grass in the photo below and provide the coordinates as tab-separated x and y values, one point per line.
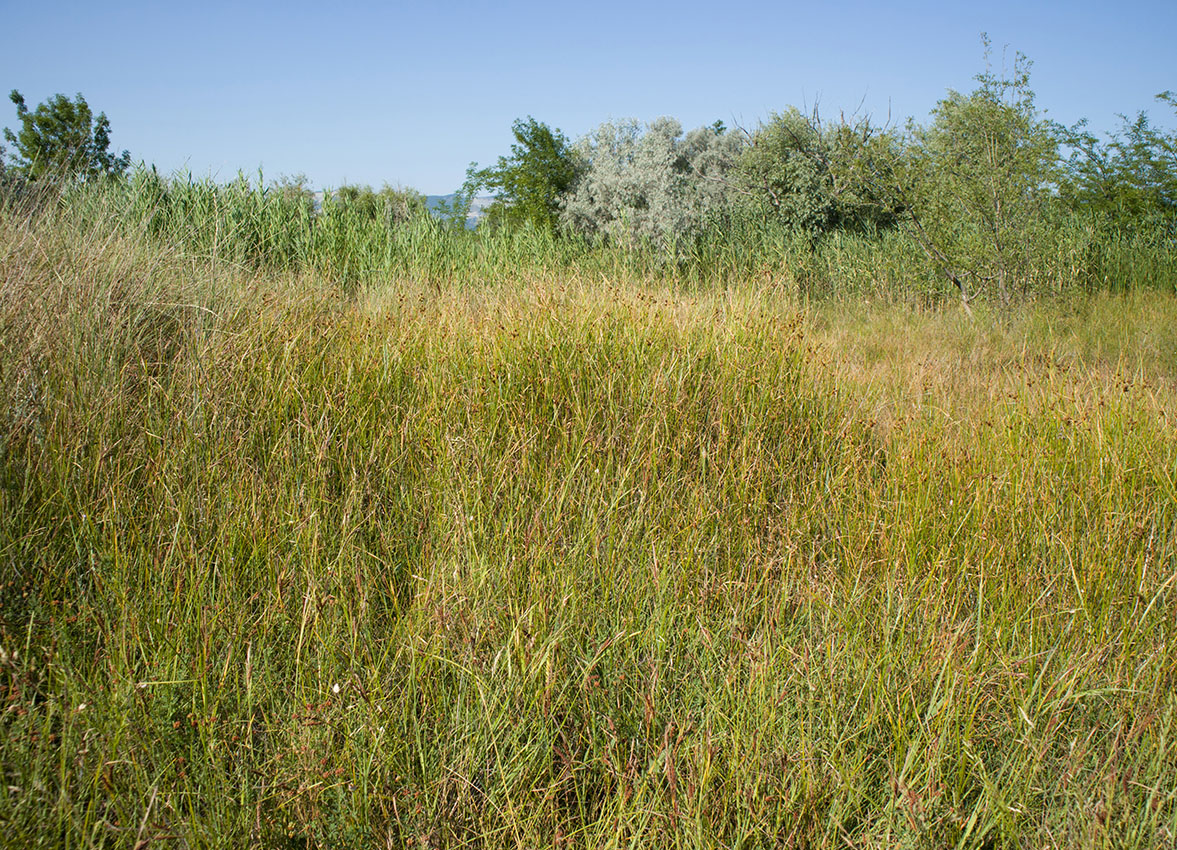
568	559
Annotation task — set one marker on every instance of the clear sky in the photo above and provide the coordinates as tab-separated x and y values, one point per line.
411	93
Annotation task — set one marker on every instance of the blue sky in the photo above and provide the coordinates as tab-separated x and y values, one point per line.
411	93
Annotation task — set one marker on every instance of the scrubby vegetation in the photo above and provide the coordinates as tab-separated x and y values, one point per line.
722	525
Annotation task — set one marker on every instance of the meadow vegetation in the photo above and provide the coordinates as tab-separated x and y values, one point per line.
351	527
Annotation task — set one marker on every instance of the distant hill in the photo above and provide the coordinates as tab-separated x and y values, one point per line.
477	206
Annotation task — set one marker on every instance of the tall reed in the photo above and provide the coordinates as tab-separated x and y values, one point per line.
264	228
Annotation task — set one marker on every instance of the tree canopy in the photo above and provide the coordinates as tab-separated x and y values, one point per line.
62	139
650	182
973	187
528	183
788	172
1131	177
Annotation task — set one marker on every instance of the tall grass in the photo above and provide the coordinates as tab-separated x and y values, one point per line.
356	245
499	553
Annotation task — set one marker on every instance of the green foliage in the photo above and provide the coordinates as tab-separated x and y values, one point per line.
11	183
985	169
62	139
456	212
782	170
357	242
529	183
295	189
788	172
391	205
354	234
972	188
1131	179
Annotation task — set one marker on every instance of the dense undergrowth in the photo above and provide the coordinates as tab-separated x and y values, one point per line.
560	555
375	241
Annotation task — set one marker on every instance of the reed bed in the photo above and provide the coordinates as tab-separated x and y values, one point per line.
356	245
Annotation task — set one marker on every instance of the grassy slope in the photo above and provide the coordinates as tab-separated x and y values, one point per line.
558	562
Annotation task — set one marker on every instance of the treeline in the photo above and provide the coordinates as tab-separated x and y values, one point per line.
988	190
987	199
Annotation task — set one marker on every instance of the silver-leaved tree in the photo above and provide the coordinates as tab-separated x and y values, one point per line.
650	184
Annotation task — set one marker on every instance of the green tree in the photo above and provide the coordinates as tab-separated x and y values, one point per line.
973	187
788	172
529	183
782	172
391	205
295	190
1132	178
62	139
986	166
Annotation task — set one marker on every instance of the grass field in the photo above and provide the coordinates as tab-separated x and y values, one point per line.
567	559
